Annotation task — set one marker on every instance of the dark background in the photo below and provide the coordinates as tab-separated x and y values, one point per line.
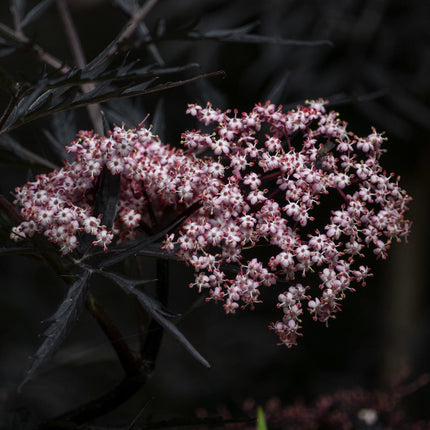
375	73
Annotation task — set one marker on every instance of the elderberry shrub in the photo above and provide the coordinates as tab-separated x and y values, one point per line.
258	178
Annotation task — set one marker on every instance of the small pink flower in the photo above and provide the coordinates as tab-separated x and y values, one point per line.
257	178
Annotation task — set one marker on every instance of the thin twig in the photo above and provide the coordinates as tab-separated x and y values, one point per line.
54	62
80	60
72	35
132	24
43	56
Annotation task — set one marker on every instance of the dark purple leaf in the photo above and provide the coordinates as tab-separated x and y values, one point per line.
107	197
61	323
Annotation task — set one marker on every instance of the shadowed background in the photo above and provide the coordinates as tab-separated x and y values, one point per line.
376	72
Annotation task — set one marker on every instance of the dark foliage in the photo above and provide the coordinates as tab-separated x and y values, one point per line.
60	324
369	58
154	308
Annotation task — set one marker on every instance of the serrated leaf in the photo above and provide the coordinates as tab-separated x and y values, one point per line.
126	5
26	100
97	72
61	323
43	100
31	95
206	90
68	99
98	91
64	102
155	309
124	69
139	87
73	76
36	12
244	29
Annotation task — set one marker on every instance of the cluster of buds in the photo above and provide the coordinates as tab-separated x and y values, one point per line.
258	178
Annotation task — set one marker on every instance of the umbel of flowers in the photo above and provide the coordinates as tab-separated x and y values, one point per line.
258	178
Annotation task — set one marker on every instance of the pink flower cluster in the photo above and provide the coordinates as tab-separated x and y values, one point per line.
259	178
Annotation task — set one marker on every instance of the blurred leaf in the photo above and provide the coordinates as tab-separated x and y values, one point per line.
206	90
98	91
156	310
240	35
160	28
61	133
125	5
277	89
24	101
36	12
61	323
261	420
245	29
125	111
6	48
44	100
11	145
17	9
159	119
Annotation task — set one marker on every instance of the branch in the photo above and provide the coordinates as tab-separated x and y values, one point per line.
151	347
129	360
131	26
40	54
79	57
100	406
137	368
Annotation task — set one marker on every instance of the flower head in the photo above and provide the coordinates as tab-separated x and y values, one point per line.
259	185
